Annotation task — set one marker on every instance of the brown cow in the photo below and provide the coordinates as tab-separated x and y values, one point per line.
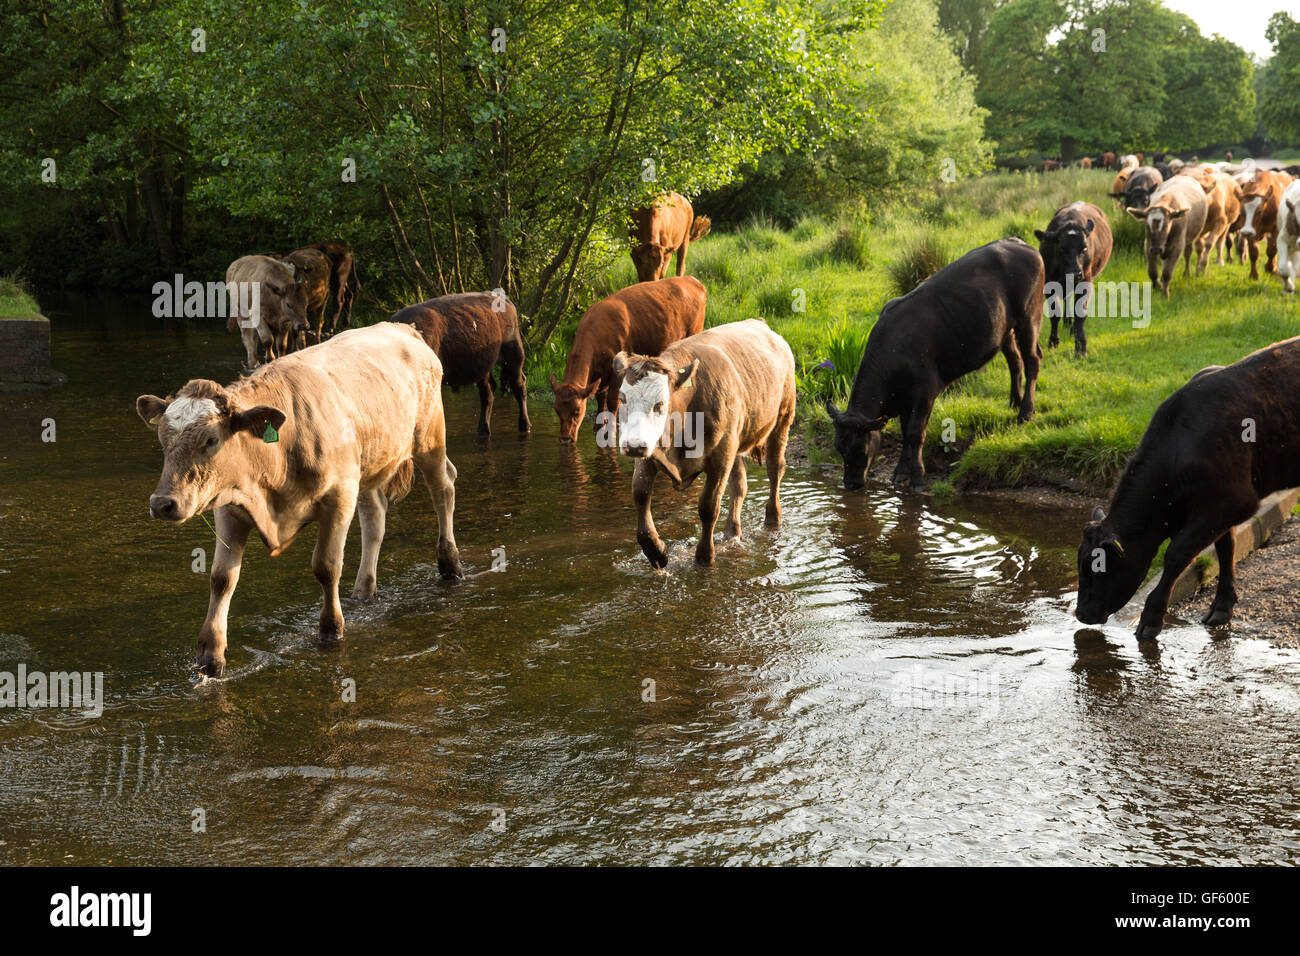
1107	160
343	277
1260	199
472	333
667	226
1075	248
1085	163
267	306
1222	209
312	269
647	318
696	409
1174	219
313	436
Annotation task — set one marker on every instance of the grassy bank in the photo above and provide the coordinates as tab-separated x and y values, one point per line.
16	302
1091	412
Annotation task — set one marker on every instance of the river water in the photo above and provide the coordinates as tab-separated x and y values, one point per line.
883	680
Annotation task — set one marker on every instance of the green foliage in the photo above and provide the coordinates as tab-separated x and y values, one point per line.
16	299
923	257
1279	106
831	376
849	245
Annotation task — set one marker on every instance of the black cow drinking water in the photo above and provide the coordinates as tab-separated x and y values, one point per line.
1215	447
1075	248
990	299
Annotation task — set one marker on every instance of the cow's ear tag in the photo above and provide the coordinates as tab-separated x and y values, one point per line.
690	381
153	421
270	436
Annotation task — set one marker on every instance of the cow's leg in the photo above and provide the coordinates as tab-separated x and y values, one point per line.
1254	257
1203	247
775	456
1053	340
513	379
910	469
1225	595
232	535
1015	366
440	475
372	506
710	506
250	346
486	393
1028	345
643	482
681	254
1167	276
1081	308
1270	260
335	517
1186	543
737	489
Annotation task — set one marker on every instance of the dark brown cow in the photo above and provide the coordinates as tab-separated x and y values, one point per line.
343	279
697	408
312	270
1136	186
953	323
1261	198
1107	160
670	225
472	333
1213	449
645	318
1075	248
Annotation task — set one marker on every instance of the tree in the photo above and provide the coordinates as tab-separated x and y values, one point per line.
1279	105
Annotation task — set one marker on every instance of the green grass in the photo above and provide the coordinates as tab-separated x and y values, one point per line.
1091	412
16	300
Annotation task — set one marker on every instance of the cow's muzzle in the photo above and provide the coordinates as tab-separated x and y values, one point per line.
634	448
164	508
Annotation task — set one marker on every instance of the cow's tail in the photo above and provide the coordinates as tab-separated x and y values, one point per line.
400	484
700	227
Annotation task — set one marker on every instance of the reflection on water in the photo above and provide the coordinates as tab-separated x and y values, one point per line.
881	680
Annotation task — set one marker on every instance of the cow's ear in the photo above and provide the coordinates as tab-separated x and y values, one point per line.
150	408
620	364
590	390
1116	195
555	384
293	270
832	411
685	376
1135	212
262	422
1042	236
1177	212
1241	196
1087	230
1099	513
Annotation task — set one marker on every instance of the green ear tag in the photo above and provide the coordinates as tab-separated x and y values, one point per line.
270	436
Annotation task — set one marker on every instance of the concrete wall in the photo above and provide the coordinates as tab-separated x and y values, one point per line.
25	352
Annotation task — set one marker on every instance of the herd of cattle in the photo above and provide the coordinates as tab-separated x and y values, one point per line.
319	433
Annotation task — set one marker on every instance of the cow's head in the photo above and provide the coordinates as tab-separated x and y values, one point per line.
1253	201
195	429
650	260
857	440
645	395
1108	576
1071	242
571	405
1159	221
284	303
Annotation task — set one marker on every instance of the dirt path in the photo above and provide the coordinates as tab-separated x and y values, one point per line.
1268	587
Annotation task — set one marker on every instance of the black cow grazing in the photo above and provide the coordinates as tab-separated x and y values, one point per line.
990	299
1214	448
1139	186
1075	248
471	333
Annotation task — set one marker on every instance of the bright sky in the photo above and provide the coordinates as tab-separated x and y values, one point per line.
1241	21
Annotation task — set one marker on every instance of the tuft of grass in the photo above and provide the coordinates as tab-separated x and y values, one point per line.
925	256
16	298
849	246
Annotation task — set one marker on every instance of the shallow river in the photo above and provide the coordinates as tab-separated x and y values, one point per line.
883	680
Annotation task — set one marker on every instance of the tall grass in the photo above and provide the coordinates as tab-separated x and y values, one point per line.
16	299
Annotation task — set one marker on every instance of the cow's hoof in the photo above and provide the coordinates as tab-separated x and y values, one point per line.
773	517
1148	632
704	558
364	592
449	568
1053	342
210	666
1216	617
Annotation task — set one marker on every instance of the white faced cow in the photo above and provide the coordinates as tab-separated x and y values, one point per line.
309	437
697	408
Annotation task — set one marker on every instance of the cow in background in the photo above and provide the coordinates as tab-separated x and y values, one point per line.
1137	186
1222	210
313	436
1173	219
1075	248
669	226
1288	237
471	334
311	269
647	318
270	321
1261	199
